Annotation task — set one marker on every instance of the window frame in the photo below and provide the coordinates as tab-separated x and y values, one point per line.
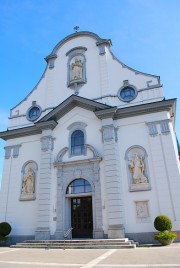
123	88
72	128
29	118
74	142
82	183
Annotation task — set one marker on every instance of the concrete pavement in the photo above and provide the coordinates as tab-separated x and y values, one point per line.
168	256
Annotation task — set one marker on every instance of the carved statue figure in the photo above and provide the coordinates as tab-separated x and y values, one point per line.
28	182
76	69
137	168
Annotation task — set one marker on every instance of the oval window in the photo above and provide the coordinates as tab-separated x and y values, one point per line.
127	93
34	113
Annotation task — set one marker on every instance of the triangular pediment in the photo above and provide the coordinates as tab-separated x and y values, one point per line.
69	104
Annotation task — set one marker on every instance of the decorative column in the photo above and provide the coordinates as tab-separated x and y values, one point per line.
114	201
97	230
59	234
44	187
104	75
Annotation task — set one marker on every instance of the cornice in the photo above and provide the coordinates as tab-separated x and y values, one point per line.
70	103
46	125
106	113
118	113
77	162
27	131
102	111
20	132
165	105
51	56
76	48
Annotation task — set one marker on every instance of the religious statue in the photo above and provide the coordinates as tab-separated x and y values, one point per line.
76	69
28	185
137	168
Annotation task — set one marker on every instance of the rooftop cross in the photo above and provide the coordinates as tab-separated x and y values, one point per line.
76	29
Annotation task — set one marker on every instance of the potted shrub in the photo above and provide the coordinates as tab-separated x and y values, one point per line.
163	224
166	237
5	229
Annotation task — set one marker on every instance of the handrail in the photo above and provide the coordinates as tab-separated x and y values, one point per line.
66	234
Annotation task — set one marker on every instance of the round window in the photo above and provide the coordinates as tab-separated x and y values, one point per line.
34	113
127	93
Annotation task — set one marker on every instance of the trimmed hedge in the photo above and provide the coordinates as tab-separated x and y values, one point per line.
162	223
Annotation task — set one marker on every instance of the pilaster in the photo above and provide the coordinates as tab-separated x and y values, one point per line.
44	185
104	76
165	166
98	231
115	208
59	234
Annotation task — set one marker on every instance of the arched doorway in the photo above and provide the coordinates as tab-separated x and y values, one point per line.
80	192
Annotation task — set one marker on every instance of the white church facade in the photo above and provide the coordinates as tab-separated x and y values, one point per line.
91	147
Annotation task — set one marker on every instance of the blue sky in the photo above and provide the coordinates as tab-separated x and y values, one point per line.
145	35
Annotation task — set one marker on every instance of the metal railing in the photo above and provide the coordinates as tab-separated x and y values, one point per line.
66	234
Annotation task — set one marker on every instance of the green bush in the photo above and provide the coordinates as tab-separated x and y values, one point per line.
5	229
3	239
166	235
162	223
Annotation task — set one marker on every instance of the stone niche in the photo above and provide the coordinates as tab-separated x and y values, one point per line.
137	169
28	184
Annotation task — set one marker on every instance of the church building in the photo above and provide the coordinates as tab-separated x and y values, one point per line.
92	147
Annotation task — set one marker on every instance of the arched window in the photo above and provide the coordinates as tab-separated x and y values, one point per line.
77	142
79	186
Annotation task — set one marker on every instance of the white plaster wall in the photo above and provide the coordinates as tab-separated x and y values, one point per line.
119	72
163	195
20	214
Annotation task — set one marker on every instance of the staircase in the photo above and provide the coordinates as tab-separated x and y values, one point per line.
123	243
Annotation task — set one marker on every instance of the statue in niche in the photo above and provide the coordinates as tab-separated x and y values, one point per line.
76	69
137	169
28	184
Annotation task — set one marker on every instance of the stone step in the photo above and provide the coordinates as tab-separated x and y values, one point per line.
78	244
72	244
75	247
79	241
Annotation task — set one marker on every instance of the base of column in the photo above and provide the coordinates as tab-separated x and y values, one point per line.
59	235
42	233
116	231
98	234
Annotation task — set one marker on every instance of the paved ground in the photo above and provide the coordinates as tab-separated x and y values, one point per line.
168	256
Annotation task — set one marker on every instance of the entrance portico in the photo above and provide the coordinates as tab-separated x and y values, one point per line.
79	203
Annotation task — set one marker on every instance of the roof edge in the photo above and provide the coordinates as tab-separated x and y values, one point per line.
77	34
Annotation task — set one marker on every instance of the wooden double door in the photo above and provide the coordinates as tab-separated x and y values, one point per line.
81	217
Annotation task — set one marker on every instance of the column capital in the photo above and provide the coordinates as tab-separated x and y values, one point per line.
109	133
47	143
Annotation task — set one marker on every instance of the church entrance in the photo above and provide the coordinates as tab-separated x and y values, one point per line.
81	217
